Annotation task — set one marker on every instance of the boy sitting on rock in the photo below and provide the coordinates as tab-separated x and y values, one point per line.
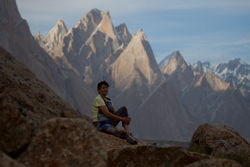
106	118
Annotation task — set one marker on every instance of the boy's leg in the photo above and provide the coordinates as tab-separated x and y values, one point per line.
122	112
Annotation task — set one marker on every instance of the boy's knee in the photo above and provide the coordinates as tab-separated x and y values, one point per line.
124	111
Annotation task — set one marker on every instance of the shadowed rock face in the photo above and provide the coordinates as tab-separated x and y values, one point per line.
65	142
5	160
153	156
215	162
25	102
221	141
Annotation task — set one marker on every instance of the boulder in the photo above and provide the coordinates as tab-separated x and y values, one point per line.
6	161
75	142
147	156
215	163
221	141
65	142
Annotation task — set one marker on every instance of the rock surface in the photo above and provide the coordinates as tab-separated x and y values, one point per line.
75	142
25	102
221	141
6	161
147	156
65	142
215	163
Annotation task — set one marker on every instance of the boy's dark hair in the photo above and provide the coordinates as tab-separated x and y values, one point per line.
99	85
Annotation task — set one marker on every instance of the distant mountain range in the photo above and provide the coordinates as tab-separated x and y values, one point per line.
236	72
165	101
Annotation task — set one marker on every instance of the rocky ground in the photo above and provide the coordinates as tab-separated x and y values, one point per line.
38	128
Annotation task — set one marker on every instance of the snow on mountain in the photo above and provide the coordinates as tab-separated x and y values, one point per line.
236	72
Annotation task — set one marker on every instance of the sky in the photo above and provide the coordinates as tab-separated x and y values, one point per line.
214	30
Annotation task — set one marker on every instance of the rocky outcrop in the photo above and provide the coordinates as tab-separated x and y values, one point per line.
221	141
146	156
65	142
6	161
75	142
215	163
25	102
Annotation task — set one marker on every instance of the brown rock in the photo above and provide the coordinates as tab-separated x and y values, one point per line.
215	163
65	142
25	102
153	156
75	142
6	161
221	141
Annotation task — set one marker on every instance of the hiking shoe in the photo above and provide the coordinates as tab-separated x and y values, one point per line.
131	141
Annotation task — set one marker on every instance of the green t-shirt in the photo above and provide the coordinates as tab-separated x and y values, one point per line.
97	103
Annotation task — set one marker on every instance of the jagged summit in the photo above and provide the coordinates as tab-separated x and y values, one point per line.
106	26
58	32
198	68
136	62
174	62
166	59
140	35
54	36
38	36
92	18
210	80
123	33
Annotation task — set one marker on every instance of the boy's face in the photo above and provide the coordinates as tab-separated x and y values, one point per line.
103	90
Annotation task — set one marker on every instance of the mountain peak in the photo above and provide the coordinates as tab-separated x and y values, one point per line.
94	11
60	22
54	36
211	80
173	62
136	63
95	15
106	25
123	33
198	68
38	36
140	35
90	20
177	55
